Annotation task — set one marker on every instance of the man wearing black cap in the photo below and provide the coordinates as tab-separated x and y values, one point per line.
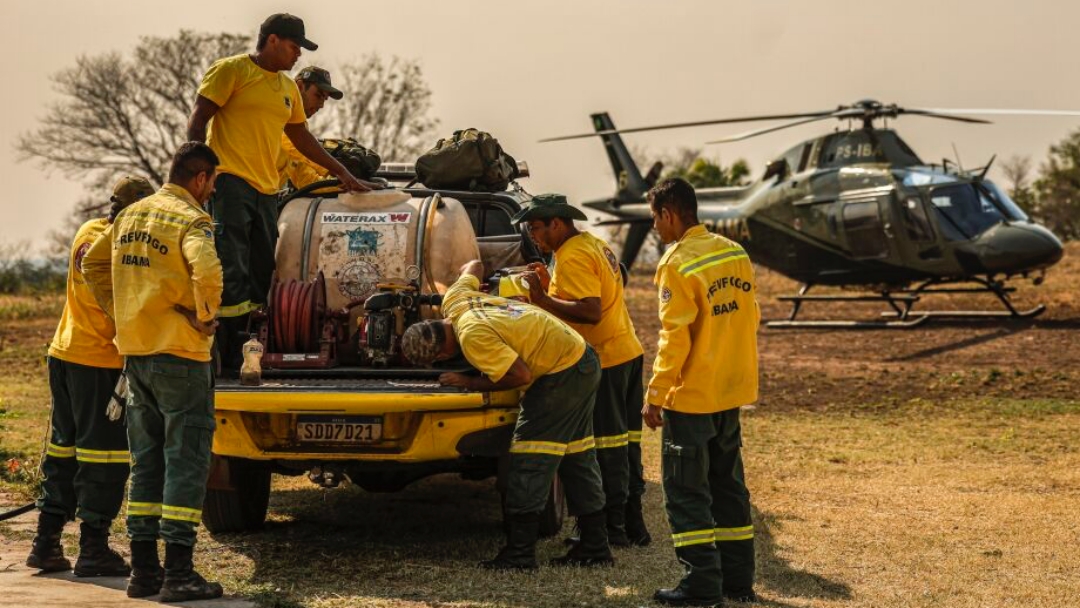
250	102
584	288
315	88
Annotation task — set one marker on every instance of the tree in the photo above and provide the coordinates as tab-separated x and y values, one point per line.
121	114
701	172
1057	190
1017	170
386	107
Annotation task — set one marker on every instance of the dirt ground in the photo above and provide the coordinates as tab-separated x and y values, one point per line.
937	466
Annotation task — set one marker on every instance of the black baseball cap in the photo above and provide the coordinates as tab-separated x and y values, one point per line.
320	78
287	26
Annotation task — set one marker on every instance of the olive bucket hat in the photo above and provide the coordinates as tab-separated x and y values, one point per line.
544	206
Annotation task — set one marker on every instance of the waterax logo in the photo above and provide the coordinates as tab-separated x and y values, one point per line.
334	217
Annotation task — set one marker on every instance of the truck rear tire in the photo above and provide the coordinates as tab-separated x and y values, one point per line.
241	508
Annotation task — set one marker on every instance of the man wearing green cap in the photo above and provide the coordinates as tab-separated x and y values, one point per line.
515	345
243	105
315	89
584	287
86	462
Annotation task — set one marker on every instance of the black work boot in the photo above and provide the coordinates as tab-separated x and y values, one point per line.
522	530
96	558
47	555
593	549
182	583
146	572
636	532
745	595
679	597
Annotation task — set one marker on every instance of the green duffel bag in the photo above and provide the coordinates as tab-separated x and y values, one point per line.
360	161
469	160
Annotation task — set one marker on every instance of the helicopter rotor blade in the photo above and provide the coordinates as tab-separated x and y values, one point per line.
684	125
749	134
943	115
1005	112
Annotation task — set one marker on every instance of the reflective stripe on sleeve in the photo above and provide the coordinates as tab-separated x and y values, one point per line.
695	537
144	509
103	456
634	436
613	441
712	259
728	534
60	451
181	513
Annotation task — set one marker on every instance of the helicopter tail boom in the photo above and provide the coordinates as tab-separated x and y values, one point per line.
631	185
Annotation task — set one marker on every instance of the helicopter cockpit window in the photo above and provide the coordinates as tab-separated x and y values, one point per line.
1010	208
964	211
916	221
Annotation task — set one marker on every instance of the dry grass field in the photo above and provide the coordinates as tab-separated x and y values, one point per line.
938	466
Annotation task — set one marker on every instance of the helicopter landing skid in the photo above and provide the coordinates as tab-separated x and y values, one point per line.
902	301
997	288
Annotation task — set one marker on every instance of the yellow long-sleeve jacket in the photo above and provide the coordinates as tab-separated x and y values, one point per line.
157	254
707	357
85	333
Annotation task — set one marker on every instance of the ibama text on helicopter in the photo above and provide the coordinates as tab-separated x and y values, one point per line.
858	208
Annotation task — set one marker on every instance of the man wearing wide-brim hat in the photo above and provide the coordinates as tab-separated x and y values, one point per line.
584	287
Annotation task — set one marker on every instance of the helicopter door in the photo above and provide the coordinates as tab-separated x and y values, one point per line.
864	229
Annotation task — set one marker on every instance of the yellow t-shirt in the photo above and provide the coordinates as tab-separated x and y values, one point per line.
255	105
296	168
85	334
584	267
493	332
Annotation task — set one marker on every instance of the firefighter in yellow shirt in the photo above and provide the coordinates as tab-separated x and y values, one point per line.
315	88
244	104
584	287
156	272
84	444
516	345
706	368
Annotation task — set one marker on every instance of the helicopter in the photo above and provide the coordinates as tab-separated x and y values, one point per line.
858	209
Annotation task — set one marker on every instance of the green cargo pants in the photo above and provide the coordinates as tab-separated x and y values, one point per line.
170	428
615	397
245	235
707	502
86	463
554	436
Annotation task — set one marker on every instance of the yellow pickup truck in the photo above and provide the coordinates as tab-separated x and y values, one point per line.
343	405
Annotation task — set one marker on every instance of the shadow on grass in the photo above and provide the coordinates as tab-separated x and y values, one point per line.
423	544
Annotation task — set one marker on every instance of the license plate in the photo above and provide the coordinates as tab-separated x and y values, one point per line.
341	430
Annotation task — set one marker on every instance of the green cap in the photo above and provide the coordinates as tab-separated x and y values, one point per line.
131	188
543	206
320	78
287	26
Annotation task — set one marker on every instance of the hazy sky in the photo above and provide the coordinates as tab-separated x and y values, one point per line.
527	70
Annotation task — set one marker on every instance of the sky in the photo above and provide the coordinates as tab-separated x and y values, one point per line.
526	69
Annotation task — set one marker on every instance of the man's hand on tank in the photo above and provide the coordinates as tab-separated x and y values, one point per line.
652	416
352	184
542	272
206	328
454	379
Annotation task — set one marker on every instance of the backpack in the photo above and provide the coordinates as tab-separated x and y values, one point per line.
360	161
469	160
